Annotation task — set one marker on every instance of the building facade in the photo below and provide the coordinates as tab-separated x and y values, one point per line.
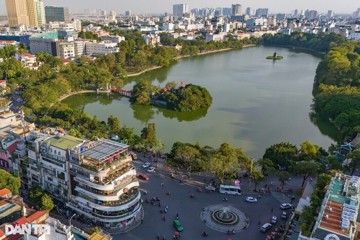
101	48
17	12
180	9
95	179
236	10
56	14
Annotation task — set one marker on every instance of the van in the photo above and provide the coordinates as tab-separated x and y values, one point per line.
266	227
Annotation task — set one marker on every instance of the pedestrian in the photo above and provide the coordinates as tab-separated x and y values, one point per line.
272	210
142	220
162	184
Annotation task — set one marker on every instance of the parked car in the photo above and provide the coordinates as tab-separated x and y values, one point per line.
151	169
251	199
210	188
142	177
284	215
266	227
285	206
178	226
273	219
146	165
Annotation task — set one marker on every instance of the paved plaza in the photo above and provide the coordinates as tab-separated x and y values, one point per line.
175	194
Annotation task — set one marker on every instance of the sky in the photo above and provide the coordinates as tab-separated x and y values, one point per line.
161	6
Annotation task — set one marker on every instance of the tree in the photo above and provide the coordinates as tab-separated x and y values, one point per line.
46	202
9	181
267	166
355	160
227	161
283	177
184	153
309	150
113	124
306	169
257	177
281	154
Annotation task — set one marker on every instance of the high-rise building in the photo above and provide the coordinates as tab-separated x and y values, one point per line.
40	11
236	10
56	14
180	9
17	12
262	12
248	11
32	13
330	14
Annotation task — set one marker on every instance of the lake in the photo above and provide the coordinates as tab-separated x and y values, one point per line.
256	102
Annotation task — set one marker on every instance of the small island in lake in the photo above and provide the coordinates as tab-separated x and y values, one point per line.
274	57
174	96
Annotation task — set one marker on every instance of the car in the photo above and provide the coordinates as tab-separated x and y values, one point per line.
177	225
251	199
285	206
210	188
266	227
151	169
146	165
142	177
273	219
284	215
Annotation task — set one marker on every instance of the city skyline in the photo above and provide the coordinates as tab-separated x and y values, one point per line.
162	6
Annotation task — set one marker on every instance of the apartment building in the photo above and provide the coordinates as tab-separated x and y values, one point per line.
66	50
93	178
101	48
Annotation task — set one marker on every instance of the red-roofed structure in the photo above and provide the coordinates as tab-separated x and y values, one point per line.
38	216
5	193
12	147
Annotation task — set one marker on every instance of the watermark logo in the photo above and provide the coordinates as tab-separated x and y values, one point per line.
36	229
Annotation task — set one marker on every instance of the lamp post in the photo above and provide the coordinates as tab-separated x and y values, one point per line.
71	218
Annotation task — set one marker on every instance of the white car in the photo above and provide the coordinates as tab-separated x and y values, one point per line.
151	169
251	199
285	206
210	188
146	165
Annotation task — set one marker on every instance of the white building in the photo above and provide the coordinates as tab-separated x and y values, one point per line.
101	48
151	39
113	38
66	50
28	60
354	36
94	178
79	48
215	37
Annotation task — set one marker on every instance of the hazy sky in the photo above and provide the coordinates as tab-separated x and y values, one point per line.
161	6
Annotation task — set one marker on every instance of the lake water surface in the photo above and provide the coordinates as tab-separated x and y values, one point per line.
256	102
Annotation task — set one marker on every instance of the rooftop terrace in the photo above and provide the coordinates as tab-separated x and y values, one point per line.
339	211
102	148
64	142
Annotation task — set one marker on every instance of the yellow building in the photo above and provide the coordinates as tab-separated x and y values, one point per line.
32	13
17	12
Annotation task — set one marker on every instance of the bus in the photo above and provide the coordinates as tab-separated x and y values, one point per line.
230	189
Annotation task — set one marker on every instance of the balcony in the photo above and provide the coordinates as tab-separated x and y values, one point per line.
124	182
101	166
123	199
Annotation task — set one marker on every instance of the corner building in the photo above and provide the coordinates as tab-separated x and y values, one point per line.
95	179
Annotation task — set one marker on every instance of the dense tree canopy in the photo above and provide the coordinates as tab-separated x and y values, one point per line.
9	181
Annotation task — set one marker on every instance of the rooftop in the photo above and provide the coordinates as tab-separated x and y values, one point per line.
102	148
339	211
50	35
64	142
4	192
100	236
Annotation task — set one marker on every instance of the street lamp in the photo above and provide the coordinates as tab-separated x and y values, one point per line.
71	218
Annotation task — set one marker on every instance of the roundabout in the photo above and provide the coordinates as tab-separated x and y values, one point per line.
224	218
